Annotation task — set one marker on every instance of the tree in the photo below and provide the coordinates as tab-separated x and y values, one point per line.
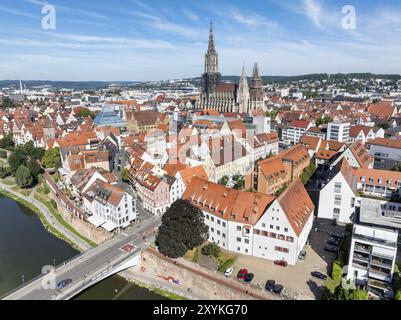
7	142
341	293
35	168
3	154
85	113
7	103
223	181
51	158
240	184
4	172
124	175
23	177
182	229
323	121
211	250
16	159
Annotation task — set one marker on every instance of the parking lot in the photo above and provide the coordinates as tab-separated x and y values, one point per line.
297	280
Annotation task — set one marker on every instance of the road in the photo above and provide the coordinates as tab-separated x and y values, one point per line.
84	268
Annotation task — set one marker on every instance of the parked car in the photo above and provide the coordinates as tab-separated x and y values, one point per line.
242	274
330	248
302	255
333	243
64	283
269	286
278	288
336	235
336	239
249	277
319	275
229	272
281	263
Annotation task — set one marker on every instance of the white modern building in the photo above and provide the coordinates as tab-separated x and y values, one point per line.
373	249
387	152
345	186
293	133
338	131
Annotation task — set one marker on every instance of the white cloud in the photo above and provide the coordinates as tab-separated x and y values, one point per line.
191	15
162	24
17	12
87	13
314	11
253	20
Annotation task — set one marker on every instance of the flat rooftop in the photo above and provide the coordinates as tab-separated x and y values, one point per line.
371	213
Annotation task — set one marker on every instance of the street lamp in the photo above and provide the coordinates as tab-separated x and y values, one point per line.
54	263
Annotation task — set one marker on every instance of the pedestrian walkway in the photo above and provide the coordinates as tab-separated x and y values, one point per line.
51	220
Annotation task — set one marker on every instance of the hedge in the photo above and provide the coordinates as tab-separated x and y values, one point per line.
337	271
226	265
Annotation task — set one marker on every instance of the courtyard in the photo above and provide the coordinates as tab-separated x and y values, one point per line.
297	280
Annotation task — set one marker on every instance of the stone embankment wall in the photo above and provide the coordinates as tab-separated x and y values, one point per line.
200	281
86	229
75	216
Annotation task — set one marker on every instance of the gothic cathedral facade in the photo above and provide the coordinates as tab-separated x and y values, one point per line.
228	97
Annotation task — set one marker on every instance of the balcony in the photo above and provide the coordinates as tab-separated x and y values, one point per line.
375	240
361	257
375	284
381	264
363	249
378	274
360	265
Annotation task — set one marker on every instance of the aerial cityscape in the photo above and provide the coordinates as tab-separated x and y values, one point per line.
171	150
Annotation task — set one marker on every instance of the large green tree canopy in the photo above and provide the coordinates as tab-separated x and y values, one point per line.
182	229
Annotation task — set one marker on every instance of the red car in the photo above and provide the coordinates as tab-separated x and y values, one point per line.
281	263
242	274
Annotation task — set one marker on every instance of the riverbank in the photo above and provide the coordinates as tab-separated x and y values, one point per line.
159	290
53	226
42	218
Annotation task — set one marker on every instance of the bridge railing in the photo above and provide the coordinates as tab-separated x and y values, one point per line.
105	271
63	264
121	260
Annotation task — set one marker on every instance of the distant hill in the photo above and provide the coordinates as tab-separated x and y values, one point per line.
94	85
73	85
313	77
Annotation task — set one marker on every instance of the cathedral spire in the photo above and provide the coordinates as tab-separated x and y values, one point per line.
256	72
211	48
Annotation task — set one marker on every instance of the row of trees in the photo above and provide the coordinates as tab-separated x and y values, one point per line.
25	161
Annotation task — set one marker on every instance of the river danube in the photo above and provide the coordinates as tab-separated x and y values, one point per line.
25	247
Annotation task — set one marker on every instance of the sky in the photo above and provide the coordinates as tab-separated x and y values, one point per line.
145	40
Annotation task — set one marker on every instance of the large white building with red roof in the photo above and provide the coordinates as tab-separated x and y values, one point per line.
255	224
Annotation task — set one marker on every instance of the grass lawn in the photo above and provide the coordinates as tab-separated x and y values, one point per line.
192	255
60	219
226	258
8	181
25	192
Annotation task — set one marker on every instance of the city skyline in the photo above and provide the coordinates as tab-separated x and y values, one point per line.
153	40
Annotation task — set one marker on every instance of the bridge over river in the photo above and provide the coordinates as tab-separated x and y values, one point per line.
94	265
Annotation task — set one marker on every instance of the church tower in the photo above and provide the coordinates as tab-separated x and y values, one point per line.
256	91
211	75
243	93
